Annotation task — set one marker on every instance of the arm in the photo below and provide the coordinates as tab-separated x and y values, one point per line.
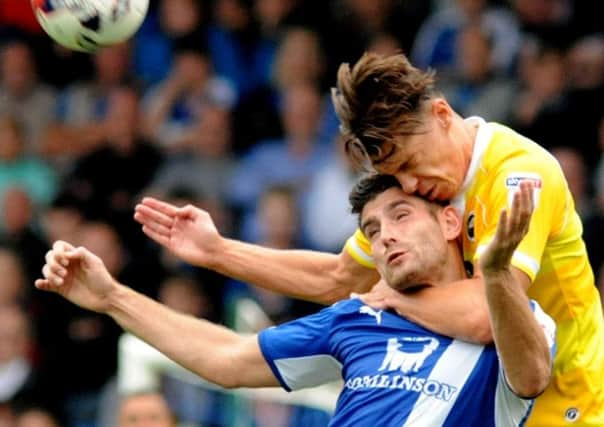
520	340
190	234
440	309
215	353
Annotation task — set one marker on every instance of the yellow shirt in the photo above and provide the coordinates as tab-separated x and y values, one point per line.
552	254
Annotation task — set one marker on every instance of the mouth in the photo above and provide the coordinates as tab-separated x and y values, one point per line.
395	256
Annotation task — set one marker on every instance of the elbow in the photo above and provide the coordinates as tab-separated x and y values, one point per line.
479	325
532	382
483	334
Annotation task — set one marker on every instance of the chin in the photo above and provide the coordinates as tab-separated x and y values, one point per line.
401	283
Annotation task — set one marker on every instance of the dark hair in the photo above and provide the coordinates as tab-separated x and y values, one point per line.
368	189
379	98
372	185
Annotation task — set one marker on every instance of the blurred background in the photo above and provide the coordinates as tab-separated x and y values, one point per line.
225	104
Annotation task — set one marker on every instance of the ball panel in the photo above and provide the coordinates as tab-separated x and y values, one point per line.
86	25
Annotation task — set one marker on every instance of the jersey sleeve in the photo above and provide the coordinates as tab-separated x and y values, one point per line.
358	247
551	196
299	353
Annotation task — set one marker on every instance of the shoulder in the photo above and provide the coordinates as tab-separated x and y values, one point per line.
510	152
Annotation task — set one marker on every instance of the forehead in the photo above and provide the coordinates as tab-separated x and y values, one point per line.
389	199
394	154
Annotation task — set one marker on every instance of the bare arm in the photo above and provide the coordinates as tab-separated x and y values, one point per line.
520	340
316	276
190	234
441	309
212	351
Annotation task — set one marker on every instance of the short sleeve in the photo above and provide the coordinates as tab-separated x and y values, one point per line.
358	247
298	352
551	203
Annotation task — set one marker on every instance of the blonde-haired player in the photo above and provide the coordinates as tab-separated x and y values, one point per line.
393	118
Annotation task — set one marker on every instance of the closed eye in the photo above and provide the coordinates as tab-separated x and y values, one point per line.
371	232
401	215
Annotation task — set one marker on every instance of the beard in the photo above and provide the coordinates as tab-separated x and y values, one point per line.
416	271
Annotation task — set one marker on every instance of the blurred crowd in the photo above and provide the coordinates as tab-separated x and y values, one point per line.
225	104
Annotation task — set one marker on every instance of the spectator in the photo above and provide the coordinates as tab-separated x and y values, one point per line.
154	42
23	95
36	417
14	285
437	39
473	86
191	403
291	160
18	219
236	48
541	81
23	169
145	409
17	374
62	218
299	60
278	218
574	169
173	106
77	336
579	103
82	107
110	196
326	218
204	163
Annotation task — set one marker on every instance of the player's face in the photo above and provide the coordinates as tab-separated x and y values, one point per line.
407	239
427	163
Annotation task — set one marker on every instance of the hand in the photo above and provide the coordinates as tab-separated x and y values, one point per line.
382	297
77	275
188	232
511	229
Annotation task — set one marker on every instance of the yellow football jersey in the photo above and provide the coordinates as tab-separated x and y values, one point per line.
552	254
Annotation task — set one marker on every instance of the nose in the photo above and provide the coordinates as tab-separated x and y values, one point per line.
408	182
387	234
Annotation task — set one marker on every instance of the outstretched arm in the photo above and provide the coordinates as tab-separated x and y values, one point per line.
520	340
190	234
215	353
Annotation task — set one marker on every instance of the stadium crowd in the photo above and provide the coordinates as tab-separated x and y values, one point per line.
225	104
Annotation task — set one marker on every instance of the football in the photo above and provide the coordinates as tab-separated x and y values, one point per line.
87	25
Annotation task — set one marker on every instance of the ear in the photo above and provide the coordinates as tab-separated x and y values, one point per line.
442	112
451	223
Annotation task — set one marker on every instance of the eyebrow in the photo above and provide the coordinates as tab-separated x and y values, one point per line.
390	207
384	158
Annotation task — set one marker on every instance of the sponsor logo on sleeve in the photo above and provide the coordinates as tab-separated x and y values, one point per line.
513	180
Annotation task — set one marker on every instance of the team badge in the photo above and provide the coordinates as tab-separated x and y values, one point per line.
470	226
